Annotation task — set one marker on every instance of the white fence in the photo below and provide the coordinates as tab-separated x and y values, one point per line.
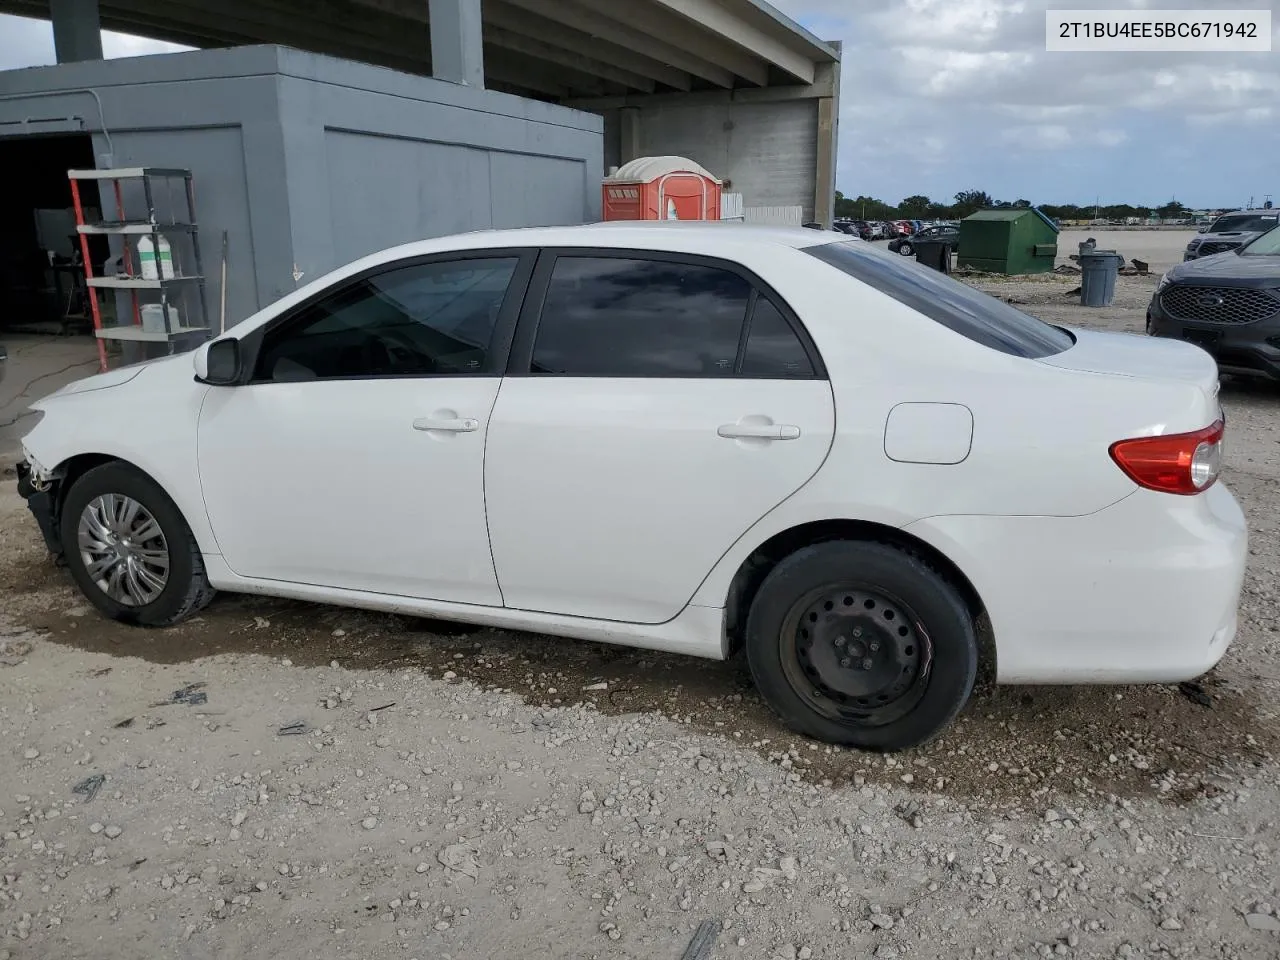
775	216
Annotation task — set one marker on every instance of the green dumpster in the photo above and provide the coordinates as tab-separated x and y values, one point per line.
1008	240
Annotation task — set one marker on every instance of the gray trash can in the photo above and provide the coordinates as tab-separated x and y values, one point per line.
1098	272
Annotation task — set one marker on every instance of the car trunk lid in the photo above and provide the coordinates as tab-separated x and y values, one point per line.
1160	360
1134	355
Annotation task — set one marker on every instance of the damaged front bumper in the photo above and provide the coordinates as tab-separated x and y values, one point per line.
43	502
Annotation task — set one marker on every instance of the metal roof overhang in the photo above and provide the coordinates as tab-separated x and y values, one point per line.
547	49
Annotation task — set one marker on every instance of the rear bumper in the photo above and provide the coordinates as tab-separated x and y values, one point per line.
1246	349
1145	591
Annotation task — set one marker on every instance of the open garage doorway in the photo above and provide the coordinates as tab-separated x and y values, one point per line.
42	286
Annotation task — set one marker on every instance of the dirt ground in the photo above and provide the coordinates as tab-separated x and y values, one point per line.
351	784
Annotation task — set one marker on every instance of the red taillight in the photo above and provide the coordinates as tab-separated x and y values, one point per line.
1183	463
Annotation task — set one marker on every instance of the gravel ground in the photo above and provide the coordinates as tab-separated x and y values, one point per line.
350	784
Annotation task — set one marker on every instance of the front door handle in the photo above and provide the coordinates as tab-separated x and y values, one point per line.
758	431
447	424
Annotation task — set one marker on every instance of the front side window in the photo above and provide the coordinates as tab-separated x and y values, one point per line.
955	305
633	317
425	319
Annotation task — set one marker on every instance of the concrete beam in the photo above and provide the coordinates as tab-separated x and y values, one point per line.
77	30
508	40
457	42
638	30
514	20
825	85
376	40
658	21
711	15
596	24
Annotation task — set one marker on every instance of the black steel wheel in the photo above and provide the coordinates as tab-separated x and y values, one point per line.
854	655
861	644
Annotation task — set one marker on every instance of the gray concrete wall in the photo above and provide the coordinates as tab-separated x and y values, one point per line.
308	162
376	157
767	150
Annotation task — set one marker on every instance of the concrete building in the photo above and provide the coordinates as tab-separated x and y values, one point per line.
317	132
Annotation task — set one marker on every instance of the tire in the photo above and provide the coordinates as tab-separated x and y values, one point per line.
906	250
888	667
130	583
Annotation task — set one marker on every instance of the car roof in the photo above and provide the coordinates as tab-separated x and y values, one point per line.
708	237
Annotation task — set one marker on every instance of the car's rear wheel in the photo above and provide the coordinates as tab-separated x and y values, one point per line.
906	249
129	549
861	644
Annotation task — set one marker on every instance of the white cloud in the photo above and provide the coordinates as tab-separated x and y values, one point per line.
973	77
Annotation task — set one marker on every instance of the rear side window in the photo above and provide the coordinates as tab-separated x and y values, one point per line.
624	317
774	352
957	306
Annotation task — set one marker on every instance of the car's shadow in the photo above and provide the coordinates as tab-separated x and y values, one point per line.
1012	745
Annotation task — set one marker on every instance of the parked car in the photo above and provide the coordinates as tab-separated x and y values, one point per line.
906	246
694	438
1228	304
1230	231
862	228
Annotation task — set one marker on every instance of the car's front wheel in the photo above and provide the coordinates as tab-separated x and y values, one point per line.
861	644
129	549
906	249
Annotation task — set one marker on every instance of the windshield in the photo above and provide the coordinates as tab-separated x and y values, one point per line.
1244	221
955	305
1267	245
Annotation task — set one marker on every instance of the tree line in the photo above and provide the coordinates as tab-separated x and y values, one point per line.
968	201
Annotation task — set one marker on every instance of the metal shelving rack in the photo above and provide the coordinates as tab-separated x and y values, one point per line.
186	334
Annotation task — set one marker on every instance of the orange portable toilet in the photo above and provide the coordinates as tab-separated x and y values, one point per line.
661	188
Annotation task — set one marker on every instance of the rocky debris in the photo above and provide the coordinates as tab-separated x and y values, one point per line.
514	808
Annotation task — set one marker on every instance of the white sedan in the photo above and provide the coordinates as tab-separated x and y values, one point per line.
691	438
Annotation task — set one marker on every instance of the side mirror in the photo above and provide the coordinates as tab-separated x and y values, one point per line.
218	363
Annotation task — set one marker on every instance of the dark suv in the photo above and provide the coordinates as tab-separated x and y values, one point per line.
1231	231
1228	304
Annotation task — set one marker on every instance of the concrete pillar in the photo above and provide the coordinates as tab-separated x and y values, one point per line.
824	207
457	52
824	199
628	134
77	30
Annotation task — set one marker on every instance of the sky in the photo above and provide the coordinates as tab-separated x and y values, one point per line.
939	96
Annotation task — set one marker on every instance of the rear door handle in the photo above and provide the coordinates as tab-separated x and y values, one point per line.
447	425
758	431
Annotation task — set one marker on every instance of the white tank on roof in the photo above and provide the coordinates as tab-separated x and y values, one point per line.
647	169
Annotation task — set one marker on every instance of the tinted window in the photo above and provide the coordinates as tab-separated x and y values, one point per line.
1230	224
621	317
422	320
953	304
773	349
